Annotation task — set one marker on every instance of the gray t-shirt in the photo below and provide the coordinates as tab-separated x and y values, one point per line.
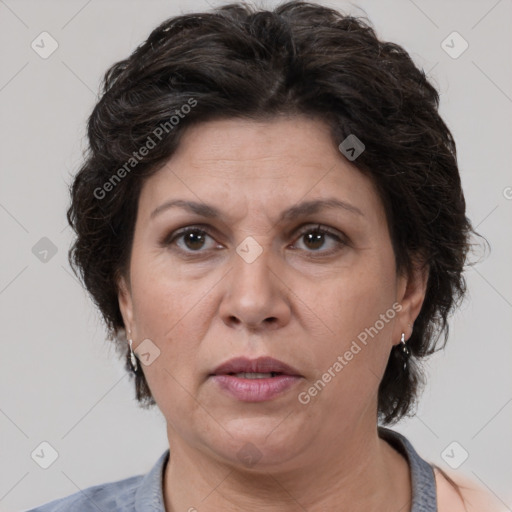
424	494
144	493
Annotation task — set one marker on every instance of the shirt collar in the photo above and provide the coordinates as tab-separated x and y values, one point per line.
424	494
150	496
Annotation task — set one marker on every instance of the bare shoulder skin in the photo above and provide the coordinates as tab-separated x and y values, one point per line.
475	498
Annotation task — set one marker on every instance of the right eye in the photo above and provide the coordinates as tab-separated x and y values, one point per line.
192	239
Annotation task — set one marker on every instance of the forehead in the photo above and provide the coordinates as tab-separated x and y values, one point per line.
238	164
229	143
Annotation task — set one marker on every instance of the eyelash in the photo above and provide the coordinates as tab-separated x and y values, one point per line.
317	228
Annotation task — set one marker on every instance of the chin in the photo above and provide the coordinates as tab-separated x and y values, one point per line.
260	443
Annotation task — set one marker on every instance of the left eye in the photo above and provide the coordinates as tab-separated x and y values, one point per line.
314	238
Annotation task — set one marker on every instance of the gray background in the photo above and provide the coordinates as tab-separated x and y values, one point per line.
61	381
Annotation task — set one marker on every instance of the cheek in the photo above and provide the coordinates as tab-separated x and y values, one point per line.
356	299
167	313
163	298
167	310
357	308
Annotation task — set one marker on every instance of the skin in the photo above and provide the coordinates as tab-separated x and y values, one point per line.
203	304
473	497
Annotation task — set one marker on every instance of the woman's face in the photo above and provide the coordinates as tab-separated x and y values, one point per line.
255	278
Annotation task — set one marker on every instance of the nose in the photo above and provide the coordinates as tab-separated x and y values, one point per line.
255	296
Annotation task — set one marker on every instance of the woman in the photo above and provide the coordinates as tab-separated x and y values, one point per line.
271	221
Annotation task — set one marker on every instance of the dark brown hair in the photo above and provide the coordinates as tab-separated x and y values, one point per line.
299	59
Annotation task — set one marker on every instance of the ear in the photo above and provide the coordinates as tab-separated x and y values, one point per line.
124	298
411	291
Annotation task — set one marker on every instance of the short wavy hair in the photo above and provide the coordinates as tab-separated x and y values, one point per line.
299	59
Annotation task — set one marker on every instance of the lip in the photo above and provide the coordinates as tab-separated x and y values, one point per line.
259	365
255	390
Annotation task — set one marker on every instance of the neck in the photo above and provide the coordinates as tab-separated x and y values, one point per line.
362	474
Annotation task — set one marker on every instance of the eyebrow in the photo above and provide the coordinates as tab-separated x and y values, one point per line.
299	210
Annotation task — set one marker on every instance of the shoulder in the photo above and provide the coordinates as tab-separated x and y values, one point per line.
97	497
472	497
